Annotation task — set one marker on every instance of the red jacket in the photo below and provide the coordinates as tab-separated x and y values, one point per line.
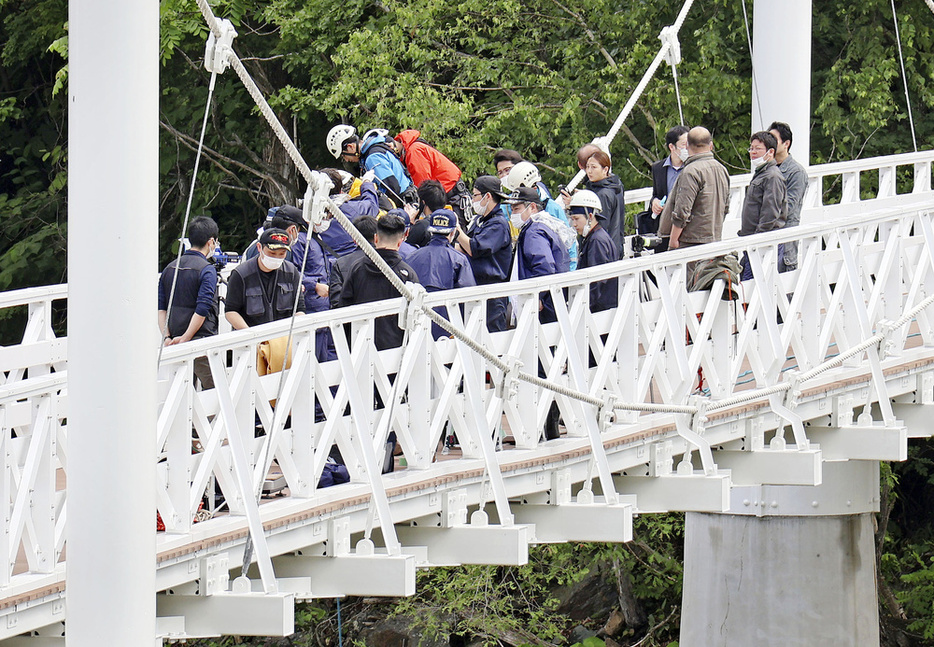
425	162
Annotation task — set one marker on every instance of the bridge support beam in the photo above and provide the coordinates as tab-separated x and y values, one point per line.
113	201
791	566
781	69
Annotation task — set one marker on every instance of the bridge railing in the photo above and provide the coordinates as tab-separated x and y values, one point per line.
854	272
835	183
39	351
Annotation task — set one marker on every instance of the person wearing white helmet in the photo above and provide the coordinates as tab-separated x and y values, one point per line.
373	152
597	247
526	174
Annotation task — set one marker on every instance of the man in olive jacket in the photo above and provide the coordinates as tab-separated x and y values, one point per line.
700	197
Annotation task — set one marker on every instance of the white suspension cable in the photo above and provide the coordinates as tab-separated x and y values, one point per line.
674	72
191	195
640	88
901	60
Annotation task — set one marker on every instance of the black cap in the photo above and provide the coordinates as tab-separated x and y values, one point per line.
525	194
275	239
489	184
292	214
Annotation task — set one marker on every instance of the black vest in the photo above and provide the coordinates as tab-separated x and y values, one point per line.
261	308
186	296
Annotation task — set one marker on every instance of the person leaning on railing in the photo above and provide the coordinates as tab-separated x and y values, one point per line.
192	313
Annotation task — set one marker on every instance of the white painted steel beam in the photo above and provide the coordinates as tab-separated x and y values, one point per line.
113	151
362	575
849	487
677	492
860	442
492	545
772	466
558	524
918	418
233	614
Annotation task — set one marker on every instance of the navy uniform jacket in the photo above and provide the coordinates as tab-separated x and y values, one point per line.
612	196
540	252
490	247
317	270
441	267
597	249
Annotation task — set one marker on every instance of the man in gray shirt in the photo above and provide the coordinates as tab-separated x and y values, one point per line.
796	182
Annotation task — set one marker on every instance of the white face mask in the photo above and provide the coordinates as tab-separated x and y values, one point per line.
683	153
322	226
272	262
516	219
756	163
587	229
478	207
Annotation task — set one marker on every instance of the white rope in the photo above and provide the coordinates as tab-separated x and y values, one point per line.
191	195
674	73
901	60
637	93
930	4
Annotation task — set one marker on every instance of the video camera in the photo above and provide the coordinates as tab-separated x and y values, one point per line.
649	242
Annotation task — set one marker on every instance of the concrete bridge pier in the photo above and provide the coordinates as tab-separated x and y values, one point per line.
788	566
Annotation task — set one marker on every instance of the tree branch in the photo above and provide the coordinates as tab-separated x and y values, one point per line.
590	34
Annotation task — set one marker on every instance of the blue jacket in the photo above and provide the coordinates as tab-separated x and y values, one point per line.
598	248
317	270
337	241
540	252
441	267
375	155
490	247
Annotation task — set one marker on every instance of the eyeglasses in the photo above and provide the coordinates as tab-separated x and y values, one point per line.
757	149
501	173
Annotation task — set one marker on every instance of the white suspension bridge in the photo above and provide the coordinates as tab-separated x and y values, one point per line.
812	377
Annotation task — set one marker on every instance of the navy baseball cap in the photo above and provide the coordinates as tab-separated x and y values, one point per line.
443	221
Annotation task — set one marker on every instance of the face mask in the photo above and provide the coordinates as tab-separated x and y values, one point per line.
322	226
756	163
683	153
272	262
587	229
478	208
516	219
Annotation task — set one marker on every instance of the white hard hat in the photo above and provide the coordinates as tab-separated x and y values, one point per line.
375	132
337	136
522	174
587	200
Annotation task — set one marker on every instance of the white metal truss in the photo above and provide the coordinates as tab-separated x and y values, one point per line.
764	361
